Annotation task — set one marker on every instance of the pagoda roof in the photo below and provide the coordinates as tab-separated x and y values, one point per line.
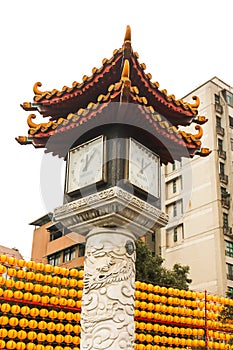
123	80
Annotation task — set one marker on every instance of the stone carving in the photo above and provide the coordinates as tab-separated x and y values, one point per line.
111	207
107	317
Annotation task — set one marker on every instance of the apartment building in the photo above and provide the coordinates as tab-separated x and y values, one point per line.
198	198
55	244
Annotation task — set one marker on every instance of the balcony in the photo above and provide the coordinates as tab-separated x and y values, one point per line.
222	154
227	231
218	108
220	130
226	202
223	178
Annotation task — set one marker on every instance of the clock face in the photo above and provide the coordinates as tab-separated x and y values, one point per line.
144	168
85	165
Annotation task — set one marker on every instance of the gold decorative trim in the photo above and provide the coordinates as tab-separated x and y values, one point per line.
36	90
127	34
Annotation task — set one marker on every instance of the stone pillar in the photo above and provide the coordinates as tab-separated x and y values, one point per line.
107	318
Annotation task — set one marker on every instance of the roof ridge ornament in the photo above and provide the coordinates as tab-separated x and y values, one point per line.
126	82
127	34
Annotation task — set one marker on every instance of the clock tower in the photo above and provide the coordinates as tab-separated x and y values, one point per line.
114	130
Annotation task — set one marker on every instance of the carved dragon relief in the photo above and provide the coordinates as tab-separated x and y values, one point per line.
108	298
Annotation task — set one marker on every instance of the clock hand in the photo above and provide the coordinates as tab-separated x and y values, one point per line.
88	159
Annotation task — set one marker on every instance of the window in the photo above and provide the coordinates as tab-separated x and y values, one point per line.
225	220
81	250
230	271
55	235
69	254
229	249
175	209
174	186
153	237
230	292
174	166
217	99
231	121
218	121
232	144
175	237
220	143
54	259
224	192
221	168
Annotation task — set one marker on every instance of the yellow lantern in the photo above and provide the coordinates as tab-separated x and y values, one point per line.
68	328
34	312
2	269
18	294
73	282
81	273
37	288
64	281
10	283
41	337
31	346
40	266
13	321
61	315
52	314
21	263
22	334
12	333
23	322
27	296
44	313
80	293
69	316
73	272
51	326
46	289
39	347
2	280
71	303
1	291
59	327
31	265
20	345
11	272
53	300
76	340
48	268
5	308
54	291
56	270
64	271
64	292
44	299
72	293
63	301
36	298
48	279
78	304
31	335
11	344
30	275
3	320
59	338
3	333
28	286
2	344
32	324
50	338
77	329
19	285
3	258
12	260
42	325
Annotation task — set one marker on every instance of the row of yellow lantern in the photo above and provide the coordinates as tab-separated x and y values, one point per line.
7	261
11	345
40	337
194	343
151	297
148	338
32	277
41	325
149	327
35	312
55	293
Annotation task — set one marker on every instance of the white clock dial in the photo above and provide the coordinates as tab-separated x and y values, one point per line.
85	165
143	168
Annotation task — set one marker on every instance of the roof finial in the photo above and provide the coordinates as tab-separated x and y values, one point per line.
127	34
125	71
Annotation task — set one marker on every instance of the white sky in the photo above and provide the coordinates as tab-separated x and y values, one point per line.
183	44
